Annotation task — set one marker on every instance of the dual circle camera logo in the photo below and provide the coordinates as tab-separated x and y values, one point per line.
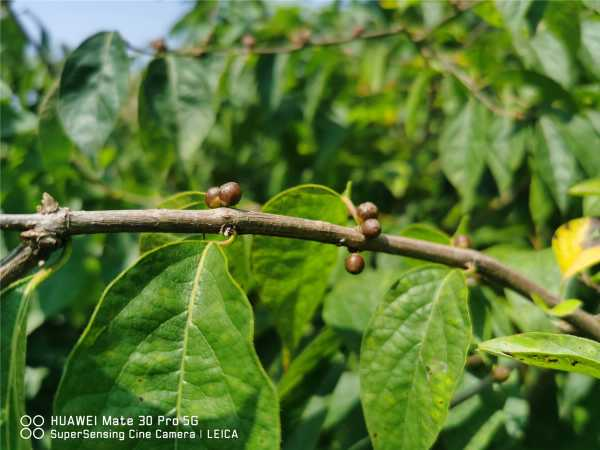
32	427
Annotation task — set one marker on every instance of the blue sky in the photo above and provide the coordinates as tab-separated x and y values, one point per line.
70	22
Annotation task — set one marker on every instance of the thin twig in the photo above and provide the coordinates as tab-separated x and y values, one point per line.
479	387
65	223
23	260
587	280
471	85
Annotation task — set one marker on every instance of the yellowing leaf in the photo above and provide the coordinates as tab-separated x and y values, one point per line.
576	245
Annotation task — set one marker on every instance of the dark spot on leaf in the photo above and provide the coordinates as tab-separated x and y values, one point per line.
552	360
141	399
574	363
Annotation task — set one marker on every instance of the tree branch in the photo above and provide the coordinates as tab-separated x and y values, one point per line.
16	265
63	223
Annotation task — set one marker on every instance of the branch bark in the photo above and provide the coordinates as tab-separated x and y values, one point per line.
63	223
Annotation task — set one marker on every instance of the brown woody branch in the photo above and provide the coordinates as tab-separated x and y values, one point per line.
63	223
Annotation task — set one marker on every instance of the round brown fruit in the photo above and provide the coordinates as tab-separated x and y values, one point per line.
249	41
230	193
371	228
355	263
500	373
461	241
367	210
211	198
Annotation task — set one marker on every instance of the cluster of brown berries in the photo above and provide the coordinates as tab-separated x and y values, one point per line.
367	213
228	194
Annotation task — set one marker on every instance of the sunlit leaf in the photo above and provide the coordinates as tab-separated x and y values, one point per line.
576	245
412	357
93	88
590	45
549	350
292	274
555	160
13	331
463	150
172	336
566	307
585	188
177	107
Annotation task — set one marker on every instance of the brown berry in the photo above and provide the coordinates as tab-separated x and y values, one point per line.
475	361
358	31
248	41
159	45
461	241
355	263
301	37
211	198
500	373
367	210
371	228
230	193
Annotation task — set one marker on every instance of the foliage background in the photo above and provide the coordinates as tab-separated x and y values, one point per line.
481	110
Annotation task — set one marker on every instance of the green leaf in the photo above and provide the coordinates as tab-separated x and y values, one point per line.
13	331
93	88
586	188
238	252
177	107
583	140
412	357
292	274
541	205
172	336
54	145
182	200
16	120
416	107
591	206
557	165
565	307
486	432
422	231
508	144
320	349
351	302
463	150
590	46
556	41
515	15
549	350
